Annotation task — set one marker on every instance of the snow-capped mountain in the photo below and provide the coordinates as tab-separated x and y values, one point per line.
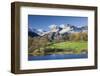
62	29
36	32
67	28
75	29
32	32
41	32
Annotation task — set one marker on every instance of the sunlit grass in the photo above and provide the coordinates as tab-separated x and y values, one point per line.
75	46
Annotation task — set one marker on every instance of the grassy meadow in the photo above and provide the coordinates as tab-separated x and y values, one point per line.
70	44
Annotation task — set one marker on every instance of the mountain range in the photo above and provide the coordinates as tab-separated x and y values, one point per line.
61	30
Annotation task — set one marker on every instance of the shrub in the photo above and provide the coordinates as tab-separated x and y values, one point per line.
35	43
85	36
81	36
75	37
66	37
43	41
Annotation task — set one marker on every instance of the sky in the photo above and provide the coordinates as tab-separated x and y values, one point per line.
43	22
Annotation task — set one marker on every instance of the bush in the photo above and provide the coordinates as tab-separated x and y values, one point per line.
37	43
81	36
43	41
85	36
75	37
66	37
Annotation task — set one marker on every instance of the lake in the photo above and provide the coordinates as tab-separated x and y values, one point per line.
56	56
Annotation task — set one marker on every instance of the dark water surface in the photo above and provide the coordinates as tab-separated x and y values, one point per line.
56	56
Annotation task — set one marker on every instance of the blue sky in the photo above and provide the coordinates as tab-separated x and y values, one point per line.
43	21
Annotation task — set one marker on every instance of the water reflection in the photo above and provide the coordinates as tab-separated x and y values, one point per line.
55	56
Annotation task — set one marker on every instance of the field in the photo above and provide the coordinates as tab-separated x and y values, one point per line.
69	46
